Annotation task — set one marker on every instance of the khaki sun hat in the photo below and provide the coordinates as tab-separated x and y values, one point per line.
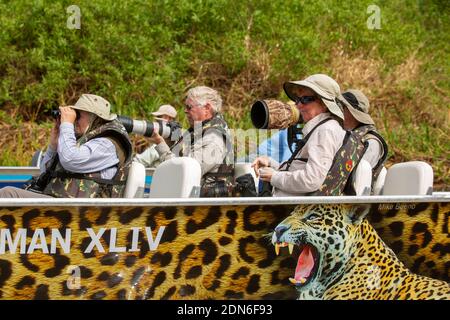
166	109
325	87
358	105
96	105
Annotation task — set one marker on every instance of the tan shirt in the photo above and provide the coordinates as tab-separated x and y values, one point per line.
320	149
208	151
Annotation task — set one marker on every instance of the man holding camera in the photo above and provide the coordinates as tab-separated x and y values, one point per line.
150	157
88	157
310	169
207	141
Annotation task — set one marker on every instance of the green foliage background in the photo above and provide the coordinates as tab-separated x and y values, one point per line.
140	54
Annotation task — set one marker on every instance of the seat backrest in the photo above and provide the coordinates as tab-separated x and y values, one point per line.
362	178
135	185
379	183
409	178
241	168
37	158
176	178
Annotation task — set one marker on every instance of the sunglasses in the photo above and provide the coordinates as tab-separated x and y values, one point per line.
305	99
190	107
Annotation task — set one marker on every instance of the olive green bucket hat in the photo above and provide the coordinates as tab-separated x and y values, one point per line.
96	105
325	87
358	105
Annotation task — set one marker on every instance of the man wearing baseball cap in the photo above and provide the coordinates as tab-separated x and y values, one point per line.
165	112
150	157
307	170
88	156
356	118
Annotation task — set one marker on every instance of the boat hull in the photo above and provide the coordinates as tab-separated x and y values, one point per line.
194	251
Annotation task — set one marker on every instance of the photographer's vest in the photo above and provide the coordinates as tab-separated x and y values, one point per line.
343	163
66	184
365	133
220	183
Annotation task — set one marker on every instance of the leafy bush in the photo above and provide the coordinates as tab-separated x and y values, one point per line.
140	54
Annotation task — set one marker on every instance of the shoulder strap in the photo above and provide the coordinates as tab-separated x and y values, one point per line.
301	143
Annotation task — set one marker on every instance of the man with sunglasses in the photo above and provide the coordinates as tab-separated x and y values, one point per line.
308	170
88	156
207	140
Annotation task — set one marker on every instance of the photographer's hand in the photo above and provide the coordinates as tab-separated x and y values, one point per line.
54	135
266	174
156	138
68	114
260	162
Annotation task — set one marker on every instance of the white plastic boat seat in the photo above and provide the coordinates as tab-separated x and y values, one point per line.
176	178
241	168
409	178
362	178
379	183
135	185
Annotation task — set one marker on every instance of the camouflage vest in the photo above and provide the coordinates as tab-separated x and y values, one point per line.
366	132
66	184
345	160
220	183
343	163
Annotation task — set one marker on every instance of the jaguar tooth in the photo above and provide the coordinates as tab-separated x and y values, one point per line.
293	281
291	247
277	248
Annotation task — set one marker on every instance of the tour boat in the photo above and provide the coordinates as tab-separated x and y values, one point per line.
164	242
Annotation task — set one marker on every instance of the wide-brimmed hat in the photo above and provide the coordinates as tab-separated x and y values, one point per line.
358	105
96	105
325	87
166	109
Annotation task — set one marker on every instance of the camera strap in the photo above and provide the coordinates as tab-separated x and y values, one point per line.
39	183
300	144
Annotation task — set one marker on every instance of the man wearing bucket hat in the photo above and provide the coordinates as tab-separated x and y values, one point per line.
356	118
89	154
150	157
315	167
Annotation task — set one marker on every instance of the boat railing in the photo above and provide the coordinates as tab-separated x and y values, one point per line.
232	201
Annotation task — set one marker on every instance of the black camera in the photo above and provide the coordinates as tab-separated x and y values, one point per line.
56	113
166	129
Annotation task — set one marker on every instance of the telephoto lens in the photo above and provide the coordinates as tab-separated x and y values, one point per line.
273	114
166	129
